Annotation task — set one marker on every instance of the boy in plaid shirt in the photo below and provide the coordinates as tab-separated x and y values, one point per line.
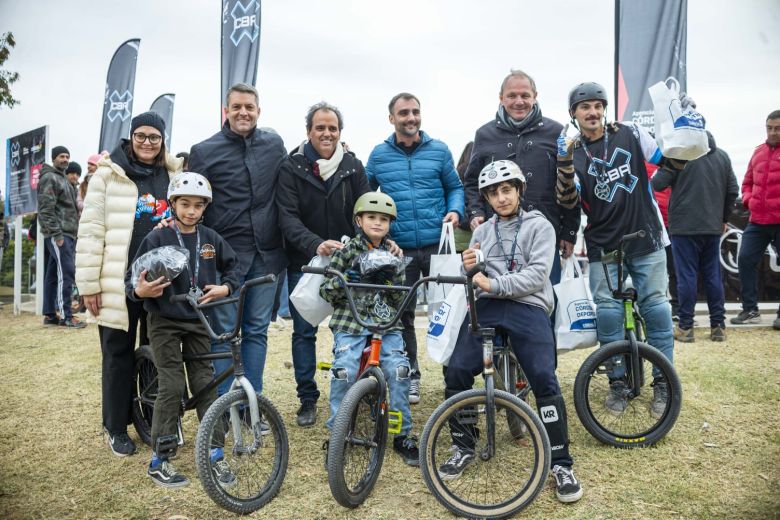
373	213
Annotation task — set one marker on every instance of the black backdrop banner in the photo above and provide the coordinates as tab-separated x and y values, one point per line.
650	46
118	99
163	105
25	156
240	43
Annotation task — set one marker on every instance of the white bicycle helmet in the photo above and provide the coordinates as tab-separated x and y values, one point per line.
189	184
498	172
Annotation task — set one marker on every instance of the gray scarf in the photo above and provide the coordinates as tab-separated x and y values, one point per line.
531	119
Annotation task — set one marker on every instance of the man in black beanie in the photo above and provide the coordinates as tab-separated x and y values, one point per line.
59	220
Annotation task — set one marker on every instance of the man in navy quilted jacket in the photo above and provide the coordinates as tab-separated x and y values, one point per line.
418	172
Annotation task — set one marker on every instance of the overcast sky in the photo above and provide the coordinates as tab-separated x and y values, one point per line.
357	54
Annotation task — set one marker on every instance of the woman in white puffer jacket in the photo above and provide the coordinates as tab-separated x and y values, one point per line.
126	199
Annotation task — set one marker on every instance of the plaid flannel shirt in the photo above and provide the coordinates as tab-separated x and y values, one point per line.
372	306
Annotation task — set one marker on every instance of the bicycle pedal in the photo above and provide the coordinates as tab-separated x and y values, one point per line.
394	422
324	365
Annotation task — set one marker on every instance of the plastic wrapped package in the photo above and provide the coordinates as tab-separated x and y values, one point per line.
167	261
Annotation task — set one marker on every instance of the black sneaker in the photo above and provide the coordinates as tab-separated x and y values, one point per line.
307	414
452	469
406	447
224	474
121	444
746	317
567	487
165	475
51	320
660	398
73	323
776	323
617	398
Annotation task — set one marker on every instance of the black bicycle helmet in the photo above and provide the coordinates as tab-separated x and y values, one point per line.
167	261
585	92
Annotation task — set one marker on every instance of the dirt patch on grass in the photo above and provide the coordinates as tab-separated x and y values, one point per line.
720	461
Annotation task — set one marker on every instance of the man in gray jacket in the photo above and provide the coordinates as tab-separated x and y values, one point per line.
702	195
58	217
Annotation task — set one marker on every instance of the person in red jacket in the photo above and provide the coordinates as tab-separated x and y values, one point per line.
761	195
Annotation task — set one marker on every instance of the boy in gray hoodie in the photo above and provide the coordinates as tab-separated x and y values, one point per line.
514	296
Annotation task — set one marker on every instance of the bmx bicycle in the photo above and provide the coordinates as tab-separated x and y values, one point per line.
512	450
358	438
257	458
637	425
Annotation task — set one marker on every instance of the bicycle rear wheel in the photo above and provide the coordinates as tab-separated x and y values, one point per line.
500	486
517	385
636	426
144	393
258	463
357	444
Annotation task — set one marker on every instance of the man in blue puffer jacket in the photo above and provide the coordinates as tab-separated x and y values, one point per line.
418	172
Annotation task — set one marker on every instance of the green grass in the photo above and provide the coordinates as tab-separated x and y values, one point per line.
720	461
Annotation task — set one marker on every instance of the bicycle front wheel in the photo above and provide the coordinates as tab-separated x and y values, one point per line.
253	466
357	443
144	393
638	425
487	487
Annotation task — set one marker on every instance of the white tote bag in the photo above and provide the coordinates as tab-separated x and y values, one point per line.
306	295
446	262
445	324
680	134
575	319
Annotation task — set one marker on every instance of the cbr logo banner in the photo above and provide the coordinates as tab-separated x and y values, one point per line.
245	22
120	105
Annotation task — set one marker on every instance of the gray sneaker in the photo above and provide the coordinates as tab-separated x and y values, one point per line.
718	333
414	391
746	317
617	399
660	398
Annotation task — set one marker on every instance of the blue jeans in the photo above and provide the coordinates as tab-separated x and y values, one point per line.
395	366
755	238
694	256
648	273
254	327
304	348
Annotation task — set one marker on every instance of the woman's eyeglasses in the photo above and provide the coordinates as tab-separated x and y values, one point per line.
139	138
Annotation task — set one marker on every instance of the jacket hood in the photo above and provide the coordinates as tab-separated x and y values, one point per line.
711	142
49	168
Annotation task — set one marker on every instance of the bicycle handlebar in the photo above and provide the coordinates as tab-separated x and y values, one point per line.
410	291
199	307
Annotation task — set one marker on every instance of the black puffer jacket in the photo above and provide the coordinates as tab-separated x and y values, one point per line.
243	174
534	150
310	212
702	193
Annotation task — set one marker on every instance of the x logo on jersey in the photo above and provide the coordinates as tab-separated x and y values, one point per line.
618	172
